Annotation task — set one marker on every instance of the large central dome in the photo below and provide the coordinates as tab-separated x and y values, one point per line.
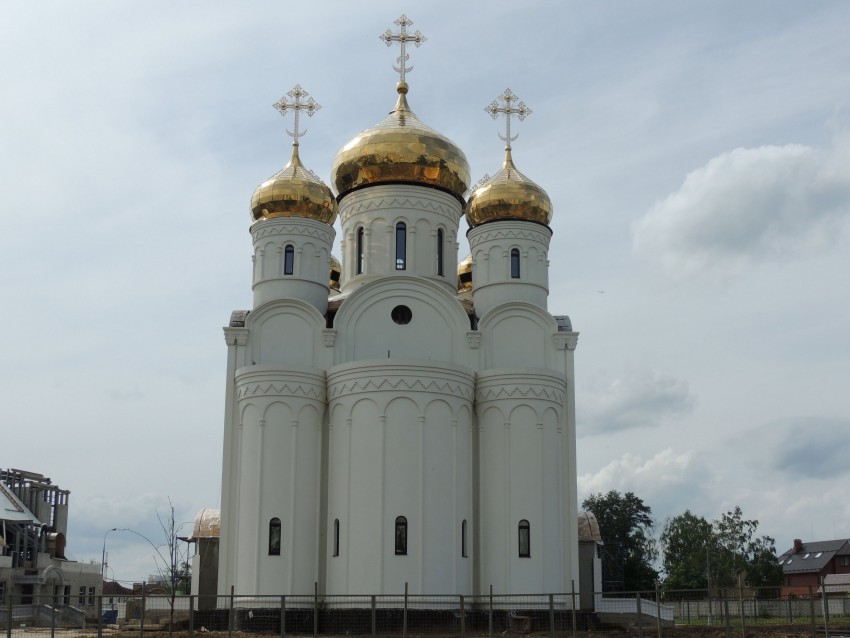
401	150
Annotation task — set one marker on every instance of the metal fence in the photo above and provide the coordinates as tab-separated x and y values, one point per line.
640	614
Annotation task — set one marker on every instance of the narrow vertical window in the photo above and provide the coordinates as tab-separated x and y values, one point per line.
360	257
514	263
440	252
274	537
463	539
401	536
524	539
400	246
336	537
288	259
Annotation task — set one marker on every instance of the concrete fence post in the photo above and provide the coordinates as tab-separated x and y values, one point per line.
230	615
812	613
404	621
639	614
551	616
315	609
573	605
490	615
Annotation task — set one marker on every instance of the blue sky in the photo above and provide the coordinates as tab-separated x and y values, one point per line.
698	160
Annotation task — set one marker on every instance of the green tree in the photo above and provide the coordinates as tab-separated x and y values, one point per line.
742	553
698	554
626	525
686	541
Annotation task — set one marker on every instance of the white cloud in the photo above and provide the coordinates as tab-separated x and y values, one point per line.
639	399
806	447
751	204
670	482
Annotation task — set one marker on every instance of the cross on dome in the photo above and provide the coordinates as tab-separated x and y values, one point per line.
403	37
296	105
520	110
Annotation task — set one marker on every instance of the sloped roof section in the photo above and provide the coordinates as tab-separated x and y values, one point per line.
835	584
812	557
588	527
207	524
11	507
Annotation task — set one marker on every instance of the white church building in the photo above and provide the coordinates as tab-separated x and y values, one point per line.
392	417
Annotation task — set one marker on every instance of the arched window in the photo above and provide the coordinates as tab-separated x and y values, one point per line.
288	259
440	252
401	536
400	246
274	537
336	537
463	539
524	539
515	263
360	258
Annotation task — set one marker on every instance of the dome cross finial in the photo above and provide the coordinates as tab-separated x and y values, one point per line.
403	37
296	105
512	106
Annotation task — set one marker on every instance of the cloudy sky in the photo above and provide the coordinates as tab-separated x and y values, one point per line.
698	159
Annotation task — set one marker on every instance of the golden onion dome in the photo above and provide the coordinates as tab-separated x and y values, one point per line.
401	149
464	274
335	274
294	191
509	195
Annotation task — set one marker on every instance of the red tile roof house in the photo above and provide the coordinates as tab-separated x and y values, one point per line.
806	564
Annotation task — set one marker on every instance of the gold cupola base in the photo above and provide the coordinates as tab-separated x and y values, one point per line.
509	195
294	191
402	150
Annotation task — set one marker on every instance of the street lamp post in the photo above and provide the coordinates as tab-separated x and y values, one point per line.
103	555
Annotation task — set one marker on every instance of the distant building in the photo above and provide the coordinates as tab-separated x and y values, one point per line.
33	568
205	536
806	564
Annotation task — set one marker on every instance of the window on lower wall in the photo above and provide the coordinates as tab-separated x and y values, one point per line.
336	537
91	596
844	561
81	599
401	536
2	591
274	537
463	539
524	539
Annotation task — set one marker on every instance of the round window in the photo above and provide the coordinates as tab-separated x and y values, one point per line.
401	315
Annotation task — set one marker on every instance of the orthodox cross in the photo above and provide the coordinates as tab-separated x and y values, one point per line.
509	109
403	37
301	101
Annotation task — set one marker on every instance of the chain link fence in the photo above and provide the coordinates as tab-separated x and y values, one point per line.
762	612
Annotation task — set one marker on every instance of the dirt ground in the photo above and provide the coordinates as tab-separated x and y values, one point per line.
683	631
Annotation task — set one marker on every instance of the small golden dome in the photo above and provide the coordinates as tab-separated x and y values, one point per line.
508	195
464	274
336	273
401	149
294	192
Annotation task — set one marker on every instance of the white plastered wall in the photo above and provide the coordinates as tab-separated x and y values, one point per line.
377	210
400	443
